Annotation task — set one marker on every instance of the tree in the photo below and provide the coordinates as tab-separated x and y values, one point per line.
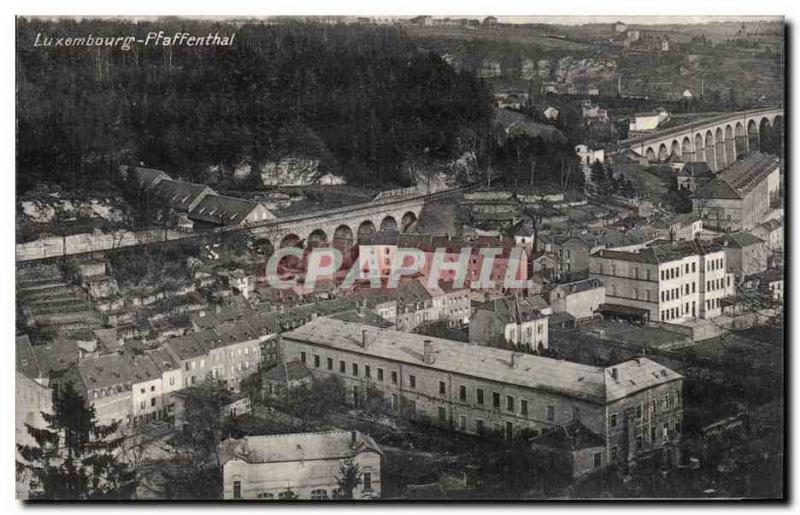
600	178
192	469
75	458
348	479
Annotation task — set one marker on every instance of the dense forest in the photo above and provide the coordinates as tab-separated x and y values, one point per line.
364	100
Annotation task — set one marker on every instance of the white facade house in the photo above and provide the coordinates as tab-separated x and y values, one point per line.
675	282
648	121
305	464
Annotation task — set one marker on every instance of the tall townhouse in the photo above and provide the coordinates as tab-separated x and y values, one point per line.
674	282
635	406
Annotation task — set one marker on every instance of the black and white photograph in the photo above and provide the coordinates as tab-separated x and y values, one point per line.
399	258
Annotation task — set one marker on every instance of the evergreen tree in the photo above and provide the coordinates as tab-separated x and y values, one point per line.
75	458
600	178
348	479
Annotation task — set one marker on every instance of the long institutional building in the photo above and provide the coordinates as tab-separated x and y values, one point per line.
635	406
672	282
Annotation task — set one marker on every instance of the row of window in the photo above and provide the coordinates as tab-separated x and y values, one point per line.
318	494
717	284
479	398
674	272
714	264
675	293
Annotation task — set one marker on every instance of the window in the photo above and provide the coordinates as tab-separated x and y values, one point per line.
639	411
613	420
141	390
319	495
551	413
265	495
523	407
355	369
462	422
479	395
330	364
367	481
479	425
316	360
442	414
342	367
394	377
442	388
598	460
509	430
509	403
495	399
462	393
380	374
367	371
412	381
237	489
153	401
171	381
303	358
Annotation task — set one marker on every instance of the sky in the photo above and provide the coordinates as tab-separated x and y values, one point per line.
637	20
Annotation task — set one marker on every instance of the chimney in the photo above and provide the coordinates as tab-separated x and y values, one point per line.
515	360
614	373
427	356
364	338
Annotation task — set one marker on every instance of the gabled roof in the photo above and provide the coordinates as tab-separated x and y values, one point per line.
179	194
293	371
191	345
487	363
145	178
107	370
297	447
739	239
226	210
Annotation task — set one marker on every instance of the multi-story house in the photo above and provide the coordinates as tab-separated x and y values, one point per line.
742	195
146	390
581	299
304	465
518	321
672	282
635	406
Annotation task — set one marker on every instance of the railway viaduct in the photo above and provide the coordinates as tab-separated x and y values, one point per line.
718	140
341	226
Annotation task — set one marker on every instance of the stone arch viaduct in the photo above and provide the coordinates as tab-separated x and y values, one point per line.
718	140
341	226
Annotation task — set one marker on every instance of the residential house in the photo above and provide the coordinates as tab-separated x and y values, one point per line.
283	379
305	464
520	322
581	299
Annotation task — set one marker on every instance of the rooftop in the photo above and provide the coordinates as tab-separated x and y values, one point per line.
297	447
589	383
741	177
661	253
291	371
225	210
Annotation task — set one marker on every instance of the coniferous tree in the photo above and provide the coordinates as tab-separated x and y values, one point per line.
348	479
75	458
